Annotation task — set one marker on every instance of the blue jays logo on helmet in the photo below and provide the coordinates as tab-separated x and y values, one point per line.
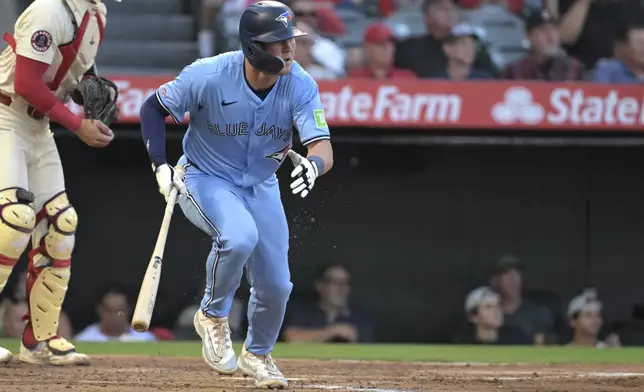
284	17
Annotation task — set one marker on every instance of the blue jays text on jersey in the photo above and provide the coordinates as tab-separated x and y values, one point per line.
234	134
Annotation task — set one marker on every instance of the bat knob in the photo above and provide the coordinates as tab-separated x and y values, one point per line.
139	327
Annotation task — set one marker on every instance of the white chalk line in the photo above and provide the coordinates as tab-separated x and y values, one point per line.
523	376
355	389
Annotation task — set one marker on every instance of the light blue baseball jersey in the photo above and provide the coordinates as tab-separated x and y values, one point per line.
233	134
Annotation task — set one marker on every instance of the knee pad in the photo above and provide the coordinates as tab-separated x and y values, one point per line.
56	240
17	221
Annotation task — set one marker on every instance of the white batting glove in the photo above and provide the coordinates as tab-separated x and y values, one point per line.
167	178
304	174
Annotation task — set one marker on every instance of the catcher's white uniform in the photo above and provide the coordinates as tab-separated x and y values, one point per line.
65	34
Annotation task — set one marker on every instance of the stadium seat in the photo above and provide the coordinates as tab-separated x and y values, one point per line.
153	28
407	24
148	55
146	36
155	7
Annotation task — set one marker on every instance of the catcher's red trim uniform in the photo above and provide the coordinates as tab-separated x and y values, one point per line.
53	45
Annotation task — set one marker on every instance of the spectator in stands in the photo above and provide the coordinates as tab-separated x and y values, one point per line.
304	54
460	50
515	6
424	55
114	314
320	15
331	319
12	320
208	12
546	60
504	32
354	59
585	319
485	321
630	67
588	28
218	25
535	320
379	49
324	51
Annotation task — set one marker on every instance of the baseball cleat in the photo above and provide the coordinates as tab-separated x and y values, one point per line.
56	351
5	356
263	369
217	346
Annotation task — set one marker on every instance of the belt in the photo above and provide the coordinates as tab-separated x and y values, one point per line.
31	111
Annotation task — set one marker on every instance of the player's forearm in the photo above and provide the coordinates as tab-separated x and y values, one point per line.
29	84
323	151
153	117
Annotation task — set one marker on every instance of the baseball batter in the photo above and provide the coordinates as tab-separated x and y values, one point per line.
243	108
52	48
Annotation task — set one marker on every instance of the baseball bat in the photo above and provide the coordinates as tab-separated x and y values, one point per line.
150	285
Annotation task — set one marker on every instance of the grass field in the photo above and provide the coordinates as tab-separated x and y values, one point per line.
139	367
383	352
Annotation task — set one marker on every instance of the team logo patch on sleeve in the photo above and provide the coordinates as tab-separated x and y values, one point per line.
320	121
41	41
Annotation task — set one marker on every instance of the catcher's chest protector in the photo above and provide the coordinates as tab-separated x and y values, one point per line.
89	25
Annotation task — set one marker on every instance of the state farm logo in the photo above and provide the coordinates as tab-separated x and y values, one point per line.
569	107
580	107
390	104
518	106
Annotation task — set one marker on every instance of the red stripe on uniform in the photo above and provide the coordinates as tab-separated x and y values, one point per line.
101	28
42	214
70	53
10	40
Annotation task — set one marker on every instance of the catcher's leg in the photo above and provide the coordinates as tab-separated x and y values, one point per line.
49	264
17	218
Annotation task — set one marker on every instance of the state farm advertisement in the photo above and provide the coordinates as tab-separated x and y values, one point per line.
443	104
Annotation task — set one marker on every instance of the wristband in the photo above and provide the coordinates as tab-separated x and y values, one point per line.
318	162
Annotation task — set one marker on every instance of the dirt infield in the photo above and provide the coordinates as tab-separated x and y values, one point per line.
140	374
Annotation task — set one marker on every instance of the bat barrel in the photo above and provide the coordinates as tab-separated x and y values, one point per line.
148	293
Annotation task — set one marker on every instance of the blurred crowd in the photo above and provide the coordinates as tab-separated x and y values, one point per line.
497	313
553	40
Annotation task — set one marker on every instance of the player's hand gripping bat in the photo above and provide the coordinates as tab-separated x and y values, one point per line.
148	292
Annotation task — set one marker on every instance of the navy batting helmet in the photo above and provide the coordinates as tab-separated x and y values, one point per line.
265	22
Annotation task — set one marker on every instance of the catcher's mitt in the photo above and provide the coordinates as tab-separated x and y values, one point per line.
98	97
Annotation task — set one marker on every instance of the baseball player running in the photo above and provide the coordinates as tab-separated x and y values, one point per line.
243	108
53	46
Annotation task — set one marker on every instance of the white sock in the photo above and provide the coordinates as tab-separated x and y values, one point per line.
206	43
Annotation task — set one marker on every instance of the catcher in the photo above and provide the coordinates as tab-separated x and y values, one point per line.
50	59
